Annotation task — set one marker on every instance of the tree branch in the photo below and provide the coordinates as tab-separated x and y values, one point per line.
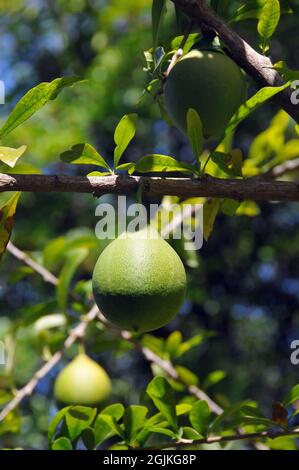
219	439
20	255
207	186
258	66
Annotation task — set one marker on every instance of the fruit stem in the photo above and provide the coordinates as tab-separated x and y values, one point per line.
180	50
81	347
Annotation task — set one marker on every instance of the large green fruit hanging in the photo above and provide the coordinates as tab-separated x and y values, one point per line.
139	282
211	83
82	382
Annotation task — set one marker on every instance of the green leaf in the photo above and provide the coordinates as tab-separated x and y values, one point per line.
7	214
187	376
214	378
253	9
10	156
210	211
252	104
112	423
200	417
285	72
190	433
161	393
55	422
119	446
282	443
134	419
62	443
230	163
268	21
101	429
84	154
248	208
228	413
164	431
252	412
156	420
129	167
33	100
116	411
88	438
183	408
78	418
229	207
99	173
163	163
173	342
191	40
158	9
124	133
250	10
74	259
11	424
192	343
292	396
256	421
195	133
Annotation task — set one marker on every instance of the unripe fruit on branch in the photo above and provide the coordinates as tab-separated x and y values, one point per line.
82	382
211	83
139	282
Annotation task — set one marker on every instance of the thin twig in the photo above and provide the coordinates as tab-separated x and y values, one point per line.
219	439
20	255
180	51
207	186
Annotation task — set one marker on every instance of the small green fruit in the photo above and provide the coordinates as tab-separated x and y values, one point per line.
139	282
82	382
209	82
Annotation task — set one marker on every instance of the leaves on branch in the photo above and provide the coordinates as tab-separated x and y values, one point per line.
84	154
124	133
163	163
